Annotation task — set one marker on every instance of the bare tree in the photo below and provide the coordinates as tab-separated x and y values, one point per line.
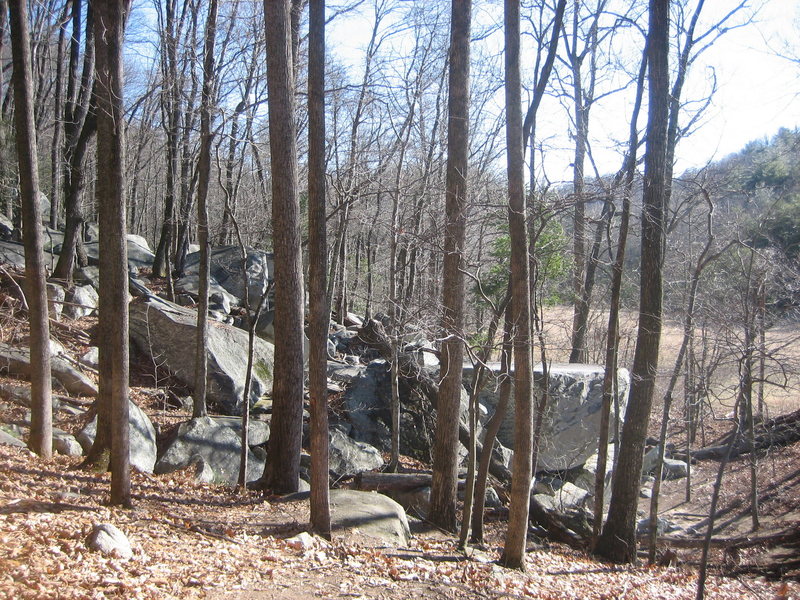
317	265
41	438
627	174
113	310
618	540
516	536
80	125
282	469
204	178
445	456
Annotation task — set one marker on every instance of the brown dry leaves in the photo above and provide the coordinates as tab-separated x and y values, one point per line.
195	541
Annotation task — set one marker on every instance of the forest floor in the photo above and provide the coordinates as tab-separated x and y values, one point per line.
193	540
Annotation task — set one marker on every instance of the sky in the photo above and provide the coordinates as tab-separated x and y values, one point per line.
758	92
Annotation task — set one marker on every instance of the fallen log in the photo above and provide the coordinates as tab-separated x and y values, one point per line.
395	482
782	430
788	536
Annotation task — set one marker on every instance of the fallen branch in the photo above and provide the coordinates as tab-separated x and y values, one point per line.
15	284
38	506
186	525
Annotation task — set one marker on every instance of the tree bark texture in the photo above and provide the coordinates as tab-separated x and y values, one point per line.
204	179
516	536
80	125
317	268
41	438
282	470
618	540
445	453
110	192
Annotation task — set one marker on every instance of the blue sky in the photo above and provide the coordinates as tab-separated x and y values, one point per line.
758	92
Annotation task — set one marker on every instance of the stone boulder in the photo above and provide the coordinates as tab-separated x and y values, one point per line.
6	228
55	300
257	428
572	419
584	477
218	445
139	253
190	284
371	514
10	440
16	360
142	438
166	332
226	271
52	239
672	469
91	358
367	401
66	444
110	541
348	457
566	497
81	302
367	408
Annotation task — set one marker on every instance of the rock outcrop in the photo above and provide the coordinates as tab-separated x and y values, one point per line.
572	419
166	332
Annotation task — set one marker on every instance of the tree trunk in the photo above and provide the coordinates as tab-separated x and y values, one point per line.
493	426
41	438
58	127
204	179
110	193
170	109
282	470
317	267
628	172
445	454
618	540
516	536
79	128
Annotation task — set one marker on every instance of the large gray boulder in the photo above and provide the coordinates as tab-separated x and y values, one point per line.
226	271
585	477
367	407
66	444
566	496
55	300
166	332
190	284
572	418
16	360
371	514
142	438
348	457
672	468
82	302
10	440
139	253
367	401
13	254
217	444
257	428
